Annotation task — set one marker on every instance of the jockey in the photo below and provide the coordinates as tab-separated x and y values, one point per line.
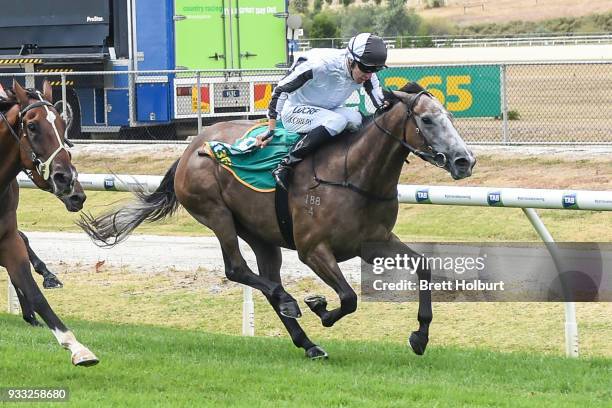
310	98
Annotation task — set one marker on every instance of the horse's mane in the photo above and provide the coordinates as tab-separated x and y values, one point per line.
410	87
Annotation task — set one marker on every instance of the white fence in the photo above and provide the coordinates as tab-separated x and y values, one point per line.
467	41
526	199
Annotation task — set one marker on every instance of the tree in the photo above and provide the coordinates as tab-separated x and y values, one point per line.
358	19
318	6
300	6
395	21
324	25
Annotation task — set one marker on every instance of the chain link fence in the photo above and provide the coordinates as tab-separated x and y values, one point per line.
535	103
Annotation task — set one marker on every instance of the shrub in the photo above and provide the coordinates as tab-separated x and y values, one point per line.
513	115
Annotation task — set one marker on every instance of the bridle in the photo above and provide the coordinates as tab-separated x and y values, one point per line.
43	168
436	158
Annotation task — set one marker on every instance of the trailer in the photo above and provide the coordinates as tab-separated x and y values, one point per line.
226	55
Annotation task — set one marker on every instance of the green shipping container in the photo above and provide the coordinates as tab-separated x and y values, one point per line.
230	34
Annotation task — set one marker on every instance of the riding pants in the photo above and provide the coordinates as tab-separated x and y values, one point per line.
304	118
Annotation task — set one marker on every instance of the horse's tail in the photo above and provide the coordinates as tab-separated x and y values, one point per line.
109	229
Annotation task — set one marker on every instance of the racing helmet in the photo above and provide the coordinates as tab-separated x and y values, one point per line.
369	51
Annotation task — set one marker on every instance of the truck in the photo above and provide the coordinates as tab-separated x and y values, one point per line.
242	45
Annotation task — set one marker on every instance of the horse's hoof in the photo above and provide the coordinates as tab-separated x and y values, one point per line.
51	282
316	353
290	309
84	358
418	342
316	303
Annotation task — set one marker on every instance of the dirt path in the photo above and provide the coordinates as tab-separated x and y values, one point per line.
145	253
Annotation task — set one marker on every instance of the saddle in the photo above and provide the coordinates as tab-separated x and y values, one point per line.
253	167
249	164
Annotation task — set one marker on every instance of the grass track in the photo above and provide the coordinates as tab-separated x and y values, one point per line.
151	366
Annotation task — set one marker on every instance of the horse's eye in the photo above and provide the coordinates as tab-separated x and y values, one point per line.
426	121
32	126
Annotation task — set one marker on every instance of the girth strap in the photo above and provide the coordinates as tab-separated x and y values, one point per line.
283	216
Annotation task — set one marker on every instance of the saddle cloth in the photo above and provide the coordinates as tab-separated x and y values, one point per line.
249	164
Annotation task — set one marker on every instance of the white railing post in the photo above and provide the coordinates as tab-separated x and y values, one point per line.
13	300
248	312
571	327
64	103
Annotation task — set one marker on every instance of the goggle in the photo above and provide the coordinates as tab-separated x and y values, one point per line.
369	69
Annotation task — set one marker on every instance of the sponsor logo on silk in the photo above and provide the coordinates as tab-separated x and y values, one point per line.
494	198
422	196
306	110
569	201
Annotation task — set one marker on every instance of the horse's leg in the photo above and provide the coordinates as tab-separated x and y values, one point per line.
269	260
418	339
27	310
50	281
323	262
13	256
221	222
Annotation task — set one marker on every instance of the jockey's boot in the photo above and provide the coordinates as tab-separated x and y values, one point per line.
305	146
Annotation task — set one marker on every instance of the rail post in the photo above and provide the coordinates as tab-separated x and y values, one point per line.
571	326
504	101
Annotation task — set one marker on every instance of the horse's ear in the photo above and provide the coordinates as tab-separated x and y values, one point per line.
47	91
20	93
3	93
403	96
412	87
389	96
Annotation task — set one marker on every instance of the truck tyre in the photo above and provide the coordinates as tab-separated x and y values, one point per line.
73	112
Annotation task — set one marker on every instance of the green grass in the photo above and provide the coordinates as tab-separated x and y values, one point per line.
146	366
199	300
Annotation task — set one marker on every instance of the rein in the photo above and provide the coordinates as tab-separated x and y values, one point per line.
42	168
347	184
437	159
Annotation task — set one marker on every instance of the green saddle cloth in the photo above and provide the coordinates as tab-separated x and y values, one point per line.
251	165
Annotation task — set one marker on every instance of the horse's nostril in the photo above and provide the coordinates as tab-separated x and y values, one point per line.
77	198
462	164
61	178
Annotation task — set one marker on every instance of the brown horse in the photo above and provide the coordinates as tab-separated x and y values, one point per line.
50	281
31	139
331	220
